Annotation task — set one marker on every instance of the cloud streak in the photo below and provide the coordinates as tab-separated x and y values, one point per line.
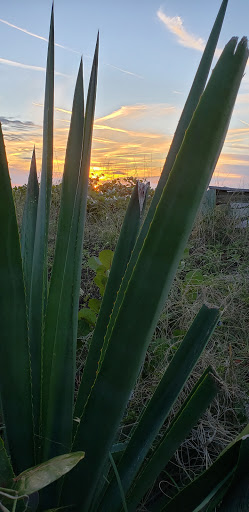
36	35
123	144
124	71
32	34
176	27
15	64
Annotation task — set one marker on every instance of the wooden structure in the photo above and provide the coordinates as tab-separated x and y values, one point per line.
227	194
237	201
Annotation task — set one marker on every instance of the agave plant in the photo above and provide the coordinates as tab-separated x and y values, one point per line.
45	432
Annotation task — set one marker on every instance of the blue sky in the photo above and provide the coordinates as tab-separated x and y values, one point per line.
149	53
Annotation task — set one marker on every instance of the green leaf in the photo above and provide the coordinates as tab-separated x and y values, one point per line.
125	245
191	102
190	412
88	315
15	382
6	470
60	508
193	278
29	225
94	263
186	116
157	263
94	305
237	497
162	401
179	332
101	280
106	258
199	492
38	290
58	327
34	479
119	483
62	336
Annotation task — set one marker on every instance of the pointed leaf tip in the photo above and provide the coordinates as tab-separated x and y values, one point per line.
97	44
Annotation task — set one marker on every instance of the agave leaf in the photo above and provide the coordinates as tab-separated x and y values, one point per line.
125	245
6	470
38	291
218	493
59	508
155	269
202	490
58	324
15	382
161	402
122	494
38	477
237	498
62	319
189	414
191	104
187	113
29	225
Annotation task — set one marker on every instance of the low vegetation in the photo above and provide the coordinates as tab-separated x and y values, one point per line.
214	271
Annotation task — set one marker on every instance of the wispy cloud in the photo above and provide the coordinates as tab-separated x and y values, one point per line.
176	27
15	64
247	124
138	111
57	109
32	34
36	35
123	70
123	144
16	123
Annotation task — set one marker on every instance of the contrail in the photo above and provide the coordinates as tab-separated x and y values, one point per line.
36	35
124	70
64	47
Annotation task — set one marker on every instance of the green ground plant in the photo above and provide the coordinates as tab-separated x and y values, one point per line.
39	320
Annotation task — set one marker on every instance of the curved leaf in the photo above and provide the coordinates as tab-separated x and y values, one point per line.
34	479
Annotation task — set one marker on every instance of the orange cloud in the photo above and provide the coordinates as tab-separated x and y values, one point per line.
121	146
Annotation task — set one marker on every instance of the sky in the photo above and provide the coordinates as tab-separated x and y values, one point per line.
149	53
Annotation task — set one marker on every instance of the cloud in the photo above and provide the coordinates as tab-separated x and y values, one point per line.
32	34
57	109
175	26
15	64
123	143
138	111
244	122
123	70
36	35
16	123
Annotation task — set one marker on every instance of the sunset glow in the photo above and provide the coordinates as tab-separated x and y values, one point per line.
138	101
